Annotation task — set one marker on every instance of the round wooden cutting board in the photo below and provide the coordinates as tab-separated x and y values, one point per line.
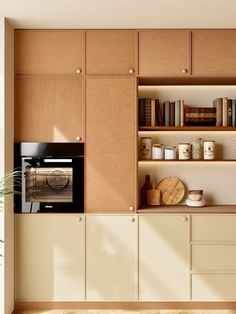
172	190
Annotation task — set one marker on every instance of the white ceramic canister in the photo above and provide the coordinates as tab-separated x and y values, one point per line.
145	148
157	151
170	152
184	151
209	151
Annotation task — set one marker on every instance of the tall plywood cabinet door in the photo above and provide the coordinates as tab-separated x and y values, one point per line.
110	52
50	257
213	52
49	109
163	258
111	258
110	144
164	53
48	51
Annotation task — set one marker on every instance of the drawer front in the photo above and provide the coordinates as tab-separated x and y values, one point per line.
214	257
214	287
214	228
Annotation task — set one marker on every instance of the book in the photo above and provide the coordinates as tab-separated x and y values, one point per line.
147	115
177	113
166	114
229	108
218	103
141	111
182	113
153	112
172	113
233	112
225	111
159	113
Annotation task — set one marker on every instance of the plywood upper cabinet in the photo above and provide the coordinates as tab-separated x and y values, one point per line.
164	52
213	52
48	51
110	144
110	52
49	109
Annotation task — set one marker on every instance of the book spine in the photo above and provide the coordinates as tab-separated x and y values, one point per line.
233	112
217	103
177	113
172	113
225	111
141	111
147	112
159	113
229	104
153	112
166	107
181	113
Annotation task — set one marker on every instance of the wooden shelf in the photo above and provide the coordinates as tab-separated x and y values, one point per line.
187	128
191	160
187	209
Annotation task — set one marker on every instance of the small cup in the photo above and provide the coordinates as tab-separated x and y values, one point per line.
195	195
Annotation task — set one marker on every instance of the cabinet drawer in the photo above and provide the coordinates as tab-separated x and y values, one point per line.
214	257
214	228
214	287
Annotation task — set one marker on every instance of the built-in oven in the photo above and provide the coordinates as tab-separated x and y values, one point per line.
52	177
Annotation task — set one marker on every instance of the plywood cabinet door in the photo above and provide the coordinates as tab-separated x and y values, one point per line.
48	51
213	52
49	109
110	144
163	257
110	52
111	258
50	257
164	53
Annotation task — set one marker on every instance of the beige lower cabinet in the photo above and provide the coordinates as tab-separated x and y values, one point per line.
50	257
111	257
163	257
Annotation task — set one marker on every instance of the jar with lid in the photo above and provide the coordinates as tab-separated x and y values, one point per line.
184	151
196	148
209	150
170	152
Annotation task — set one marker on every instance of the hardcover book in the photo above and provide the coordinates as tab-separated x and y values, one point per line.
218	103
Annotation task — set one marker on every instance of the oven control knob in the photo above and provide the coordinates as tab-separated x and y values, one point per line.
79	218
78	138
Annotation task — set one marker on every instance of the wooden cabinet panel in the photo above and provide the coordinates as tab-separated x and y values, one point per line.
110	52
214	227
110	144
50	257
48	109
111	258
163	258
213	52
214	287
164	53
48	51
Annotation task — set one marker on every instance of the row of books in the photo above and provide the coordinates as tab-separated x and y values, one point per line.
153	113
225	111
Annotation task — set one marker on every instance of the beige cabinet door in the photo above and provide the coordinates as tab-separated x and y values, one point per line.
49	109
164	53
50	257
213	52
110	144
111	258
48	51
110	52
163	257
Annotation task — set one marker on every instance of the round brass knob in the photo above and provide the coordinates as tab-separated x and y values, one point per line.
131	71
185	218
184	71
133	219
79	218
78	71
131	208
78	138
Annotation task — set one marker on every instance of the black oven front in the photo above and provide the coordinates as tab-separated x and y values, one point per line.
52	177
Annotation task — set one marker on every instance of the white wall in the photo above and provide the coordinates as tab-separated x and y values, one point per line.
6	164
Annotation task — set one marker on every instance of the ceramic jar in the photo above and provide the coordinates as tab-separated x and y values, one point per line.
209	150
184	151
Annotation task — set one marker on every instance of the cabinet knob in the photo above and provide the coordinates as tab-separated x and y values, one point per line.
131	71
79	218
131	208
78	138
184	71
185	218
78	71
133	219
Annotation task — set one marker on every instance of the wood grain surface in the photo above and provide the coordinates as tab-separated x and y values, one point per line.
172	190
